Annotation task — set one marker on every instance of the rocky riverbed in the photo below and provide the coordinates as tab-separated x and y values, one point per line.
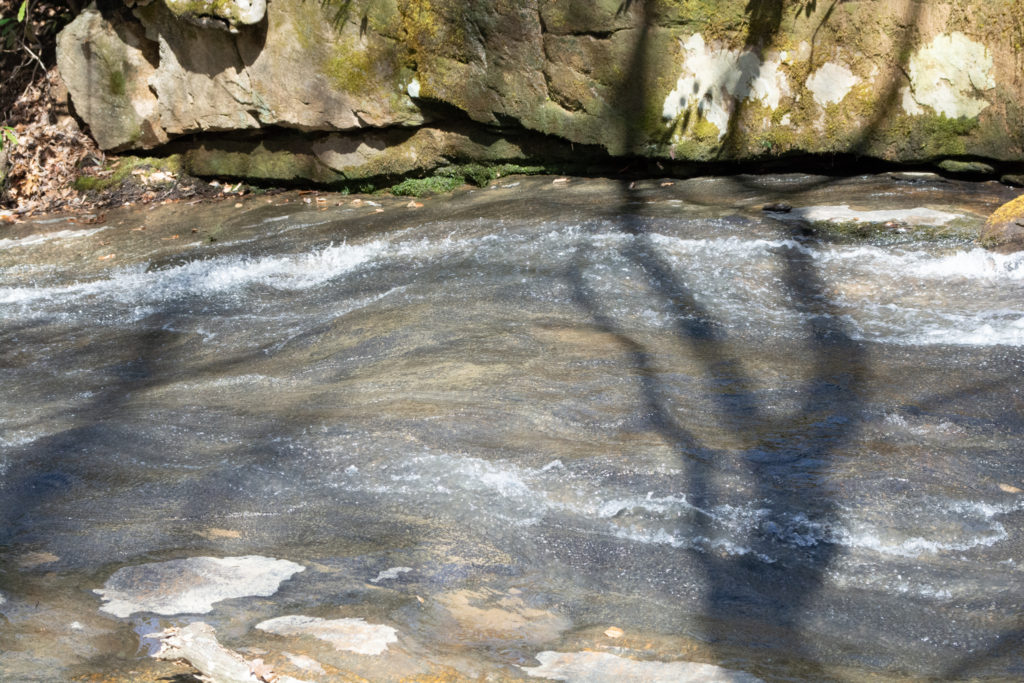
734	429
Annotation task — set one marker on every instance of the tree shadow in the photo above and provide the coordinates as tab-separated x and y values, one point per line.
786	458
774	579
95	452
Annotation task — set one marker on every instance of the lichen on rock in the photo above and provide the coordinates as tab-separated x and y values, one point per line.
948	76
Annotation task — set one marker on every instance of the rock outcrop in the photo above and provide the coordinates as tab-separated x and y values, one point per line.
342	89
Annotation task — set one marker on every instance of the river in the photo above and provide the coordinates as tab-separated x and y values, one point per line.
650	421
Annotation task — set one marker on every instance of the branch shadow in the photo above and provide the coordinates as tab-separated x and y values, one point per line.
775	582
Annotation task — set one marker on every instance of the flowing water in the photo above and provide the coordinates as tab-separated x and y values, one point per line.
656	422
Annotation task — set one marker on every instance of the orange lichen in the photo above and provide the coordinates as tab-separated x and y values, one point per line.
1011	210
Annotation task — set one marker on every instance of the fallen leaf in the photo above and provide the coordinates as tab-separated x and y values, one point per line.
414	205
261	670
107	257
1009	489
172	237
614	632
238	205
667	184
557	181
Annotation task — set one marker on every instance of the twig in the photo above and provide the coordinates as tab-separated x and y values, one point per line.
34	56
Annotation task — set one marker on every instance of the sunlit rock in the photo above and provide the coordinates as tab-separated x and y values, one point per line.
831	83
844	214
107	68
602	667
715	80
229	14
192	585
905	82
352	635
949	75
1004	229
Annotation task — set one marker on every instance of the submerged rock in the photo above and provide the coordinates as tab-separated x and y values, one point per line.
920	216
192	585
603	667
352	635
489	614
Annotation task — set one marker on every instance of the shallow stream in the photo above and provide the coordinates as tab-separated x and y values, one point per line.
650	421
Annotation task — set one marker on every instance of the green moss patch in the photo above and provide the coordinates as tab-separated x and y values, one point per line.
121	170
451	177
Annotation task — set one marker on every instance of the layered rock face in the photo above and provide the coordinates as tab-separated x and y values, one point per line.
329	90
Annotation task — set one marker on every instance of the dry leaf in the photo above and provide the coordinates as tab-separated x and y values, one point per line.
1006	488
261	670
614	632
107	257
414	205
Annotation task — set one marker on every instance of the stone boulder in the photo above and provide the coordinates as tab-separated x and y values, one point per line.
107	63
227	14
1004	230
663	79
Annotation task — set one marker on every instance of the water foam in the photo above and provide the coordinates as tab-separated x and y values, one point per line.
569	497
211	277
873	294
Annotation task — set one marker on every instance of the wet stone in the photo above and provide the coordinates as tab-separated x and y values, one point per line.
603	667
192	585
352	635
966	168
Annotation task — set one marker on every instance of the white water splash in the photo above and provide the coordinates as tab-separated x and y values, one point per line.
883	295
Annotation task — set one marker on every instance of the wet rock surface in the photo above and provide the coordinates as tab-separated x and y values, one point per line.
487	423
192	585
1004	229
353	635
604	667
